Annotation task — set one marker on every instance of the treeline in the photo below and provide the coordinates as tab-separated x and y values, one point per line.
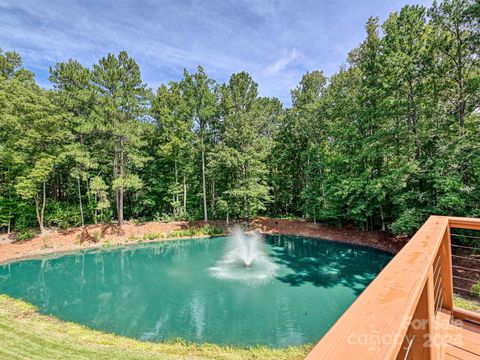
390	139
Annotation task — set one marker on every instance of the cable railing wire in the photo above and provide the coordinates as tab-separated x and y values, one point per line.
466	247
465	268
462	278
466	236
439	306
462	289
465	257
409	347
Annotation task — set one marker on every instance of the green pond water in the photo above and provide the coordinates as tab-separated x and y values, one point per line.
167	290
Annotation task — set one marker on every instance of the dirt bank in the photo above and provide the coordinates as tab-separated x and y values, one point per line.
95	236
379	240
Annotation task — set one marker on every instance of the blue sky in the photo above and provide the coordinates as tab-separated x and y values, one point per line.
275	41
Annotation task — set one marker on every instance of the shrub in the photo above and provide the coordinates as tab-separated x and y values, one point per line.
475	290
151	236
25	235
212	230
62	215
408	222
205	230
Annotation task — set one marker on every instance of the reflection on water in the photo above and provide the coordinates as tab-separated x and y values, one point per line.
165	290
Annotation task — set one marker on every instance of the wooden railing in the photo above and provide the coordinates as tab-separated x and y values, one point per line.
406	311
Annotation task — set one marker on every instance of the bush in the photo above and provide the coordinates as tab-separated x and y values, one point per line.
408	222
25	235
205	230
211	230
151	236
475	290
62	215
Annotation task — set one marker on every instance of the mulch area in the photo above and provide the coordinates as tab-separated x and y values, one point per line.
376	239
92	236
95	236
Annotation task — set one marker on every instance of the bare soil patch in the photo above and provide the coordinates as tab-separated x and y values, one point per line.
375	239
95	236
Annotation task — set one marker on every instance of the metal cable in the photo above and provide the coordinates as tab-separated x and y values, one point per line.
410	343
466	258
465	268
461	278
461	289
439	307
467	236
466	247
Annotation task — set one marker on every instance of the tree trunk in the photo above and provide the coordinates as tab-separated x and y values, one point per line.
212	202
118	172
121	191
414	120
184	194
115	175
40	212
176	183
95	214
460	80
382	216
245	199
80	201
462	116
205	213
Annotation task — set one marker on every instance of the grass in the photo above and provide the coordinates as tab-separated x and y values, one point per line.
466	304
205	230
26	334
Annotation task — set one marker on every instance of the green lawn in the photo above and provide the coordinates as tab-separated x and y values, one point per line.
466	304
26	334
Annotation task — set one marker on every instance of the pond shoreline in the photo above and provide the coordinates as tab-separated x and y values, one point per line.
60	242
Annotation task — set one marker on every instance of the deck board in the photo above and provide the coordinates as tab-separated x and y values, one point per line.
464	342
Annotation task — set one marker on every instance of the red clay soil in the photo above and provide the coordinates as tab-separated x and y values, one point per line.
377	239
95	236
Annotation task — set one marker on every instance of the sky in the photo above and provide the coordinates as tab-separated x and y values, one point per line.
276	41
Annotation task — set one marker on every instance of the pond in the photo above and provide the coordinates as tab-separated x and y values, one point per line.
167	290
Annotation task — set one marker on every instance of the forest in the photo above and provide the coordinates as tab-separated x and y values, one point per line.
388	140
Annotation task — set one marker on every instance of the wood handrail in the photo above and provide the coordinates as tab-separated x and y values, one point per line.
376	324
464	223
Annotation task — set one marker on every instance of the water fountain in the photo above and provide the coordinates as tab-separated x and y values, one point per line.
245	259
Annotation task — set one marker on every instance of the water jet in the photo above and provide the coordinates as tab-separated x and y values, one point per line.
245	259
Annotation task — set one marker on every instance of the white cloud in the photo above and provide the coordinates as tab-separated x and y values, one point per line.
224	36
285	60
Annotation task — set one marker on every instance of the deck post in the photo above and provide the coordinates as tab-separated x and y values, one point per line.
446	262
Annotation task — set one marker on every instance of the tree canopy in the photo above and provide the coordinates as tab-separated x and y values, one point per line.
389	139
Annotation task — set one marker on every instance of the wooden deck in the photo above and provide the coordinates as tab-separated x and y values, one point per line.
463	343
407	312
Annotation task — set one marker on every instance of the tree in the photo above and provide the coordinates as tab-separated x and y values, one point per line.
457	34
98	189
75	95
199	93
175	141
121	105
43	138
243	147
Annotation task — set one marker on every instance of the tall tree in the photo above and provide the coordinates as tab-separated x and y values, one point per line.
457	34
120	107
199	93
174	135
244	146
76	96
